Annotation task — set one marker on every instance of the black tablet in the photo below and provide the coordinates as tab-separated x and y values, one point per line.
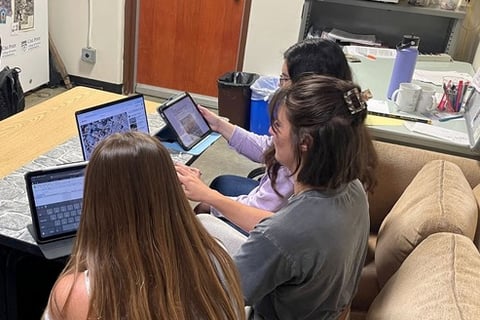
55	196
187	123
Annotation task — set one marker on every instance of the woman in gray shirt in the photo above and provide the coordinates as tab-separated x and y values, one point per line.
304	262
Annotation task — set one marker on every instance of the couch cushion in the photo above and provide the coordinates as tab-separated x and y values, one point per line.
440	279
438	199
397	166
476	193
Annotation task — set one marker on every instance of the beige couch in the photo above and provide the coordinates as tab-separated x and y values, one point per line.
424	261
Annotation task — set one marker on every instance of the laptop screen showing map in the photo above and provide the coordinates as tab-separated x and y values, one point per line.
96	123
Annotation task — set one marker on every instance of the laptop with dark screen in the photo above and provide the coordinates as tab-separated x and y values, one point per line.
55	196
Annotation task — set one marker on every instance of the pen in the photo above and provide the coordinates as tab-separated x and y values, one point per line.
400	117
441	104
457	116
369	56
458	98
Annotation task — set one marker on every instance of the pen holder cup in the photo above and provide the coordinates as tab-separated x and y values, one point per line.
454	89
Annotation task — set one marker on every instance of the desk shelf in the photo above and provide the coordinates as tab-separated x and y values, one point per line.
438	29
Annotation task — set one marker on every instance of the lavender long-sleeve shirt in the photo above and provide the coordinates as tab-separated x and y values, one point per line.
252	146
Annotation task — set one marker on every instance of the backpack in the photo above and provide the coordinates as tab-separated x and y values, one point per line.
12	97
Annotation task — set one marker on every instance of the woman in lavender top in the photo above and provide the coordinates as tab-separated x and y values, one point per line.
250	201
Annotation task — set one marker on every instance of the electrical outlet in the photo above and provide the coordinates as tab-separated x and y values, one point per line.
89	55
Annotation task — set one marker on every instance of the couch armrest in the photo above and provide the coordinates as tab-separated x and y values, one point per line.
397	166
438	280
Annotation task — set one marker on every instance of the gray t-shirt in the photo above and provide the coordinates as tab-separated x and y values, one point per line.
304	262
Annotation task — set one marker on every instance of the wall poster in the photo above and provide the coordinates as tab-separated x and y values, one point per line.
24	13
24	33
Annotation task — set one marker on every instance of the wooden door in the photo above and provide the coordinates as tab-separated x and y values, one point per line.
187	44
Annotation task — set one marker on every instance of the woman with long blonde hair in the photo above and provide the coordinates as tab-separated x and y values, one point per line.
140	252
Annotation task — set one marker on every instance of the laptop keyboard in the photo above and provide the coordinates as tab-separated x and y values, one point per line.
60	217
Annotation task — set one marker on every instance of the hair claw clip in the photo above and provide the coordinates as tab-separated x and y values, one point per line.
354	101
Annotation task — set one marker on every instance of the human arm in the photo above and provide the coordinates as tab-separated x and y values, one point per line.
262	266
217	123
244	142
78	305
249	144
242	215
264	195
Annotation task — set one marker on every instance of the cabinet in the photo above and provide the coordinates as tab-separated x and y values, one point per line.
438	29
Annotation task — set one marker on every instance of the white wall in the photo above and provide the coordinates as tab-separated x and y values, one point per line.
68	26
273	27
476	59
469	35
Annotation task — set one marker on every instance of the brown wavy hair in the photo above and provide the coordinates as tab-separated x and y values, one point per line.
339	147
147	255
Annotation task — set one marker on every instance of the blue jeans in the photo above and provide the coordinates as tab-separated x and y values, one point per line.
232	186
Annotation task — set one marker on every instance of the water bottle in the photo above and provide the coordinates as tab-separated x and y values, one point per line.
407	53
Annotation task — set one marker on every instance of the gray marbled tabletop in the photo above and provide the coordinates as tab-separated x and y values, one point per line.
14	209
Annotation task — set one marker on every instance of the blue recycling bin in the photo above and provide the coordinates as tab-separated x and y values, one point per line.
262	89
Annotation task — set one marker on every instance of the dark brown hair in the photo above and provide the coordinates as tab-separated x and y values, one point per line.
317	56
339	147
310	56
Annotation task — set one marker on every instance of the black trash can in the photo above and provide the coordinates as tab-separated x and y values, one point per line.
234	97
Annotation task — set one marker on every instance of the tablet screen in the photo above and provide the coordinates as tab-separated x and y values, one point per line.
182	115
55	197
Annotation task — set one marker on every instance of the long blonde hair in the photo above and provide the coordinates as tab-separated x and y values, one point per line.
146	254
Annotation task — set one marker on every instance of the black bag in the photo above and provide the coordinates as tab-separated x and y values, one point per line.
12	97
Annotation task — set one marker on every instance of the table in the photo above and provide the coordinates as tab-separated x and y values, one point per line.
44	135
375	75
41	128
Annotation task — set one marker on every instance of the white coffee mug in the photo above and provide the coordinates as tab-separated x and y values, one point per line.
406	96
427	102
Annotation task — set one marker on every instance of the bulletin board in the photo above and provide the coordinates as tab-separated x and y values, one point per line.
24	33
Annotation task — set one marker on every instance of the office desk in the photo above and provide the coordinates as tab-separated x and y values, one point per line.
375	75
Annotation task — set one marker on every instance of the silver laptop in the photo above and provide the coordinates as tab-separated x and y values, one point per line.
55	198
472	118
